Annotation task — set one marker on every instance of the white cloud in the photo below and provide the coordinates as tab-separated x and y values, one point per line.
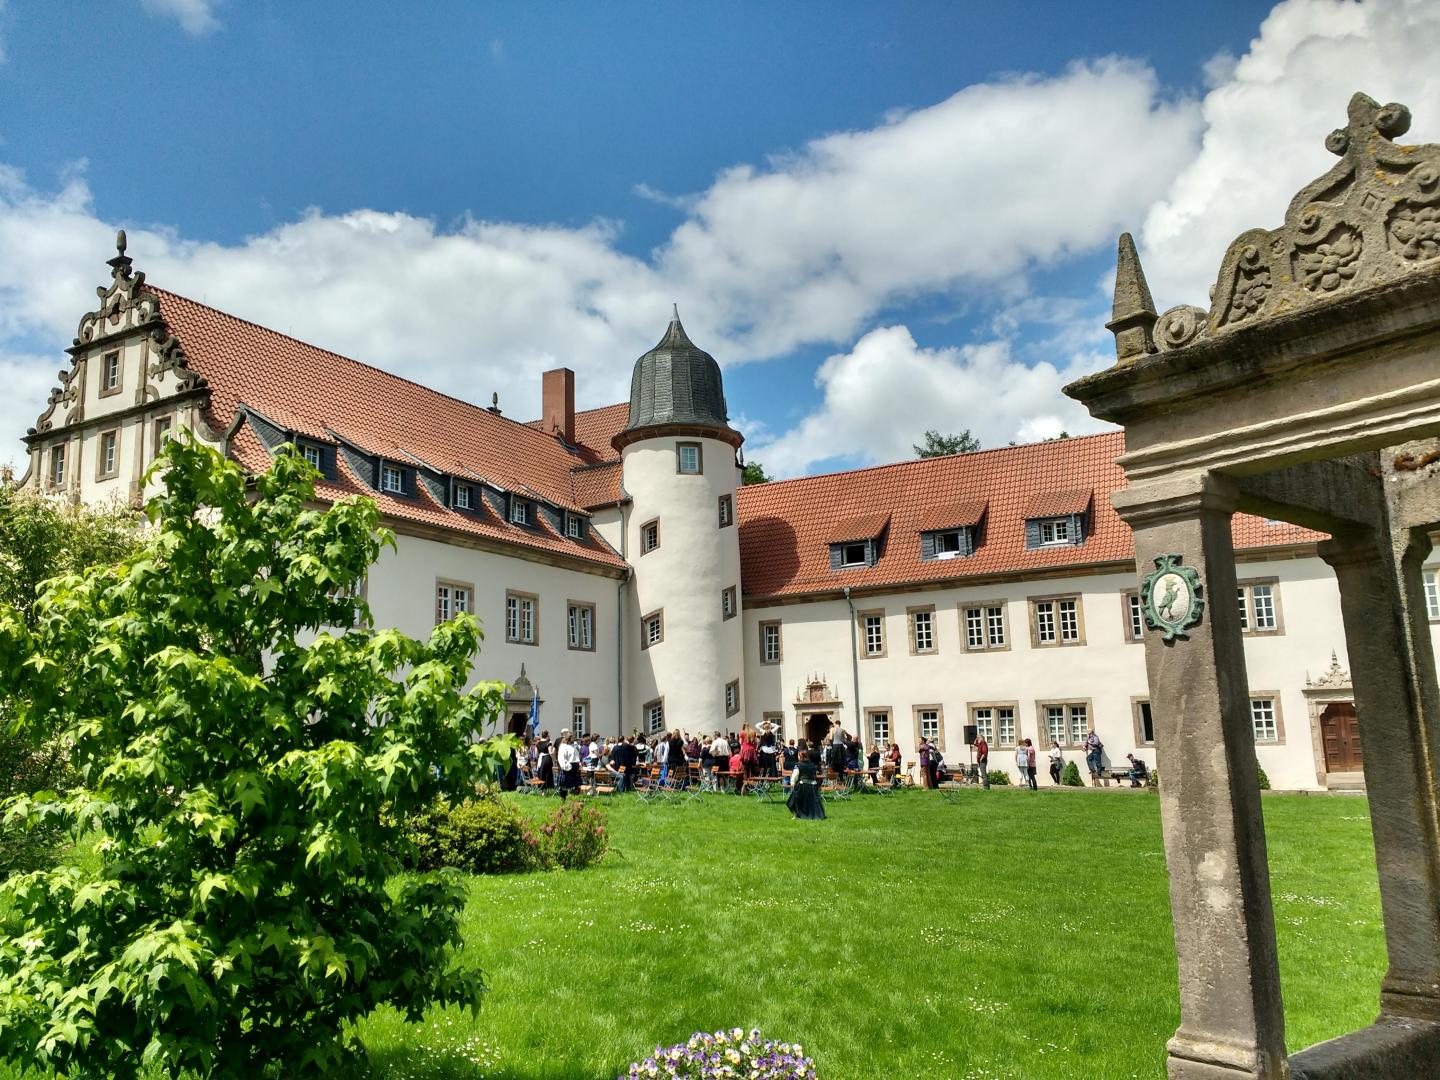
196	17
1266	122
882	395
969	193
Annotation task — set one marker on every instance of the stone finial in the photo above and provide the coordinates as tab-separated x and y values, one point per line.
494	403
1132	320
674	312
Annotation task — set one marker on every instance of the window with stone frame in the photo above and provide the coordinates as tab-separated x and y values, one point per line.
732	697
107	462
57	465
1144	722
727	511
1265	718
163	427
930	724
1056	621
452	598
1065	722
770	644
983	718
983	626
1431	582
995	720
654	715
872	634
580	716
649	536
580	620
1259	602
110	373
652	629
1133	615
689	459
1006	733
878	721
922	631
729	606
522	619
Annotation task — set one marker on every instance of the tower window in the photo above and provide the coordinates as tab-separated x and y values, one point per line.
649	536
727	510
688	459
652	629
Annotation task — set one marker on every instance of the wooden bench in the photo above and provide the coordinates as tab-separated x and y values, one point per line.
1109	773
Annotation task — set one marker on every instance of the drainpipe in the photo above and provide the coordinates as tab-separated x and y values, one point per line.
620	621
854	663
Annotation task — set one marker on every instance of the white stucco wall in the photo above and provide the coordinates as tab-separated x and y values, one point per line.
1107	672
401	592
684	578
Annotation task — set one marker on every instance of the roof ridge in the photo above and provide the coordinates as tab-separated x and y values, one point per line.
341	356
916	462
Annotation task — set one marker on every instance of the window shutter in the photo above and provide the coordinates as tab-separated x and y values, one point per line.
835	556
1032	533
967	542
1077	528
927	546
871	554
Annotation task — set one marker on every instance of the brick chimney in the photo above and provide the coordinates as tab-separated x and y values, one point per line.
558	396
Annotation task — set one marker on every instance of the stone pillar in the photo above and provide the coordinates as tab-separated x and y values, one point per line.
1393	672
1232	1024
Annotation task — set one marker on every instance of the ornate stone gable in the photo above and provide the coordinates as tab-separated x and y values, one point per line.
1372	219
126	310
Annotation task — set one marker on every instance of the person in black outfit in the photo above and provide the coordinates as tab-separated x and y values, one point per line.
804	800
626	760
769	765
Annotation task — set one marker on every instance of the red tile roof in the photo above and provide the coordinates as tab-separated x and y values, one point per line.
786	526
315	392
960	515
594	428
598	485
860	527
1047	504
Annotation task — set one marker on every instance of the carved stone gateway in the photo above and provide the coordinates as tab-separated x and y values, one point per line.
1308	391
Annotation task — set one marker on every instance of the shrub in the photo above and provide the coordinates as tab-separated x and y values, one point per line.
237	764
999	778
574	836
480	836
730	1053
1071	776
1264	779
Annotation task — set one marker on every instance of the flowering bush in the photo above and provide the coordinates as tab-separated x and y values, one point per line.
726	1054
574	836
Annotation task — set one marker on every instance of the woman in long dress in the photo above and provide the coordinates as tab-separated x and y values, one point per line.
544	761
804	800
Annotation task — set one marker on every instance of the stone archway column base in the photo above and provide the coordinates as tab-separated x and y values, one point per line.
1196	1057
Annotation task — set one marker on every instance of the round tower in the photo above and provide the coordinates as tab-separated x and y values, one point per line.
685	665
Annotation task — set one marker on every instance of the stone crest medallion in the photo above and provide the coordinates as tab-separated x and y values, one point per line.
1171	597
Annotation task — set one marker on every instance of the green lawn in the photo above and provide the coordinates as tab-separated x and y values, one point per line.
1007	935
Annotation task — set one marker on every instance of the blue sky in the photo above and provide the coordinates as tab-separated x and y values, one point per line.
880	218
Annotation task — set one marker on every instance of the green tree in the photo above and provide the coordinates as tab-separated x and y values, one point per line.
244	773
938	445
41	538
753	473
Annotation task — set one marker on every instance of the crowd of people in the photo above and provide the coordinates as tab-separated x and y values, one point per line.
727	759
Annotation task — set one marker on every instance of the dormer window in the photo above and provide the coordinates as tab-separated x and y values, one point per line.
314	456
519	511
1057	518
855	542
574	526
949	531
464	497
392	479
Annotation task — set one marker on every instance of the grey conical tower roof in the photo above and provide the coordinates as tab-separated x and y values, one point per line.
676	384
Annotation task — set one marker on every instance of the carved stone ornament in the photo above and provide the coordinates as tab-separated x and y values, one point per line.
1337	678
1172	597
1371	219
1180	326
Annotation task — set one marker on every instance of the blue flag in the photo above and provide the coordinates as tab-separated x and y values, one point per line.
534	713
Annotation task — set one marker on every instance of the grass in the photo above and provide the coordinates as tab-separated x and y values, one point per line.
1006	935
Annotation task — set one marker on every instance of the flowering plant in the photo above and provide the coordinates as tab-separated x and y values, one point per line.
723	1054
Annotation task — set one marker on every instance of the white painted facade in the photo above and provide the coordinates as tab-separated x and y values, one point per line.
124	390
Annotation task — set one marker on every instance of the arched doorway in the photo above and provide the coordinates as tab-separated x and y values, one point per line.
517	723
